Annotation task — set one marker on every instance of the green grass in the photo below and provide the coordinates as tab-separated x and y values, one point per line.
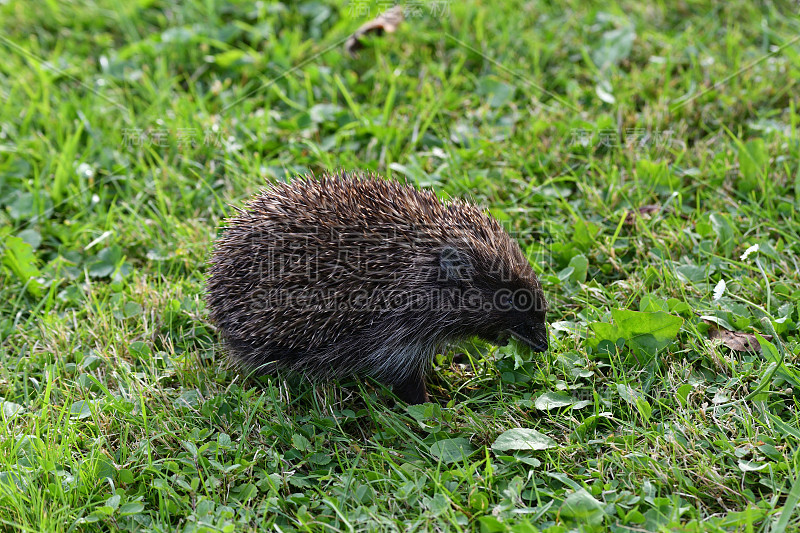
127	129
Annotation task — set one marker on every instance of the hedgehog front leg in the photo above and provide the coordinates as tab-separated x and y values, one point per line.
412	390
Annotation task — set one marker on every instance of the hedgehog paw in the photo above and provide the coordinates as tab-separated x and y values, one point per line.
412	391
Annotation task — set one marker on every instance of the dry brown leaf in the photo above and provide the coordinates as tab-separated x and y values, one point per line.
649	209
386	22
736	340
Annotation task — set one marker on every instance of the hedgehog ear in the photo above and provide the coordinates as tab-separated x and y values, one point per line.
453	265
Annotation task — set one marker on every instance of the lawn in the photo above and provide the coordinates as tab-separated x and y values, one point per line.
644	156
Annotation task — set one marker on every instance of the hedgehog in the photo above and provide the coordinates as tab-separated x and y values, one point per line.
348	274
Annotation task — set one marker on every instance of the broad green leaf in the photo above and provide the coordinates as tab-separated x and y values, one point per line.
130	508
634	517
30	450
80	409
106	261
645	409
683	393
131	309
31	236
20	259
743	520
769	350
498	92
628	393
650	303
522	439
582	506
633	324
12	478
247	492
97	469
751	466
478	501
189	398
692	273
553	400
22	206
452	450
580	266
9	410
319	458
490	524
584	234
113	501
300	442
645	332
724	231
189	447
126	476
753	162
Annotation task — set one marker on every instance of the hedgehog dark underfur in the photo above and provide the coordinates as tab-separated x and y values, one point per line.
350	274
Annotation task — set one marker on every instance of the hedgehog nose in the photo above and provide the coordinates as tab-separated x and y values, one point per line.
537	345
540	346
534	336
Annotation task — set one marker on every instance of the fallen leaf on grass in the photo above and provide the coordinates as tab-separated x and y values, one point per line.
649	209
386	22
736	340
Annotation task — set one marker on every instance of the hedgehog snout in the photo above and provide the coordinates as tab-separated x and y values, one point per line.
534	335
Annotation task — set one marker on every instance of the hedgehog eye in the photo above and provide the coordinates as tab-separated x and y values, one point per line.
505	301
523	300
